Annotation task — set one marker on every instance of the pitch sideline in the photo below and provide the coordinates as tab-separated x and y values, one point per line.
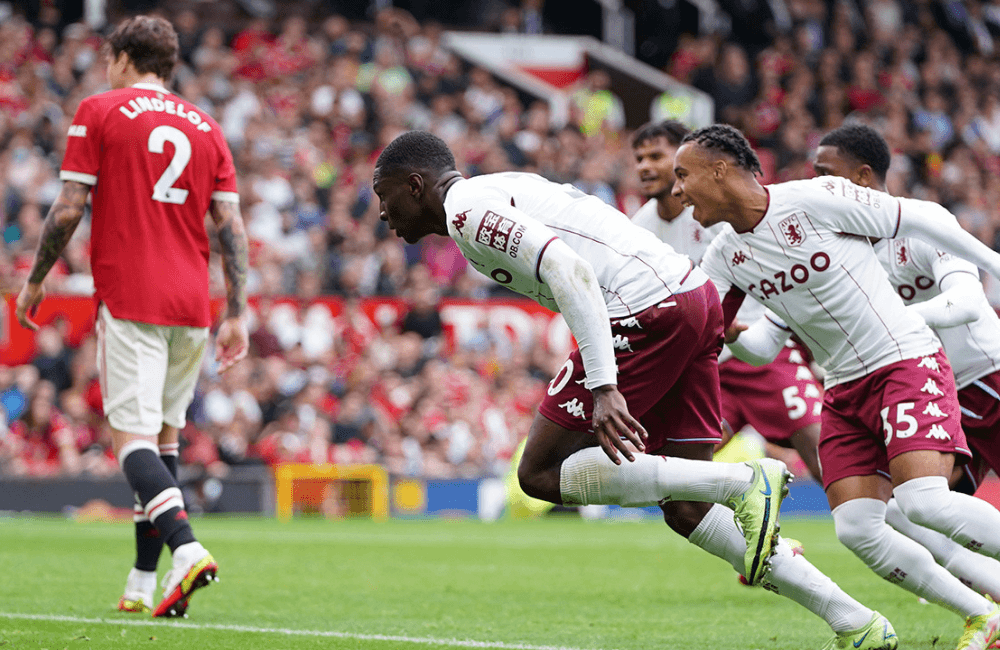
458	643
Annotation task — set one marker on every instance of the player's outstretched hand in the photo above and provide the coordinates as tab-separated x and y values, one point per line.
231	343
612	422
27	302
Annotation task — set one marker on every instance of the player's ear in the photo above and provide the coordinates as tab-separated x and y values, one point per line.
865	176
719	169
416	182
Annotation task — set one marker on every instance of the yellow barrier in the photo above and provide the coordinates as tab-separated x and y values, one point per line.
285	475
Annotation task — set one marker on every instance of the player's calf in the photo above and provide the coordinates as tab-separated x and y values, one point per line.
157	491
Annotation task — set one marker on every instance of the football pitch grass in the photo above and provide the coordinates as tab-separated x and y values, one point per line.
556	583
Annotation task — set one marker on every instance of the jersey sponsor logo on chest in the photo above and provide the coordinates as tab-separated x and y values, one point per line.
792	231
786	280
500	233
77	131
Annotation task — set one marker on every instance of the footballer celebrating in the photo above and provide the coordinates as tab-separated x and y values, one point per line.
891	419
947	293
781	400
645	376
154	165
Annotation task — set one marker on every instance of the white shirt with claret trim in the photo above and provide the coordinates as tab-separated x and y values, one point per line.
504	222
915	270
809	261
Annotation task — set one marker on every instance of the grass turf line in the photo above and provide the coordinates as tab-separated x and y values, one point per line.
421	584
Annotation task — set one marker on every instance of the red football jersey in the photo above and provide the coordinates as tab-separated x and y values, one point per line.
155	163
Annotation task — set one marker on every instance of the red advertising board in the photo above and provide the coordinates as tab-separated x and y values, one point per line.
519	321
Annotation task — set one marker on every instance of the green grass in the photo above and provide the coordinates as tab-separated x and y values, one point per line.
555	582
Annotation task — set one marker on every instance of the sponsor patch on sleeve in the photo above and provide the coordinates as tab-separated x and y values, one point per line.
494	231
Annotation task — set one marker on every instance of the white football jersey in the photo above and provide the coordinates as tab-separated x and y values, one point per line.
915	270
688	237
810	262
502	223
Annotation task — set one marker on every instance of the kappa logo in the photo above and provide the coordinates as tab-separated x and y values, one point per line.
792	231
739	257
931	388
77	131
929	362
575	408
938	433
902	253
696	235
621	343
631	321
459	220
934	410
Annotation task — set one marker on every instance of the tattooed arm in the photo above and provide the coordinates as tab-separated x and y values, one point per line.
61	222
232	339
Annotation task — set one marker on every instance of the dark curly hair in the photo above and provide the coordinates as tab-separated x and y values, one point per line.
672	130
150	42
415	150
725	139
862	143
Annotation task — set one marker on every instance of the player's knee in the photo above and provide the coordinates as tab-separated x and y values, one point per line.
860	526
530	480
853	536
922	500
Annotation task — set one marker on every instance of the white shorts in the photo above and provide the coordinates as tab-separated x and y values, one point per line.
147	372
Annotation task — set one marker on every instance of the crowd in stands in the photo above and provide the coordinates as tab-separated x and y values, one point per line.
306	105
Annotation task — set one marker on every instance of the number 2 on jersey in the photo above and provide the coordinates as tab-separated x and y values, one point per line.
164	190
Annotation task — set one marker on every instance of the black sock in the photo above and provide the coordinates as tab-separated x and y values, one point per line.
148	544
171	461
158	493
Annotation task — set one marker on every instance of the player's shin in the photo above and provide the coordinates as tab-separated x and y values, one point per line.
981	573
148	543
972	522
861	527
157	491
589	477
791	576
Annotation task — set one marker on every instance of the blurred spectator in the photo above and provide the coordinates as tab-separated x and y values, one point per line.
42	442
423	317
53	359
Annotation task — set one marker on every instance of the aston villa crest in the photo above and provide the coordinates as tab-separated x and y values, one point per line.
792	231
902	253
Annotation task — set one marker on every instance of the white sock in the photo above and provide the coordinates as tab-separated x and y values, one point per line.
589	477
980	573
188	552
971	522
140	583
791	576
891	555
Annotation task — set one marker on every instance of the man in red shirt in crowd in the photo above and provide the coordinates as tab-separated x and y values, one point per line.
155	164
